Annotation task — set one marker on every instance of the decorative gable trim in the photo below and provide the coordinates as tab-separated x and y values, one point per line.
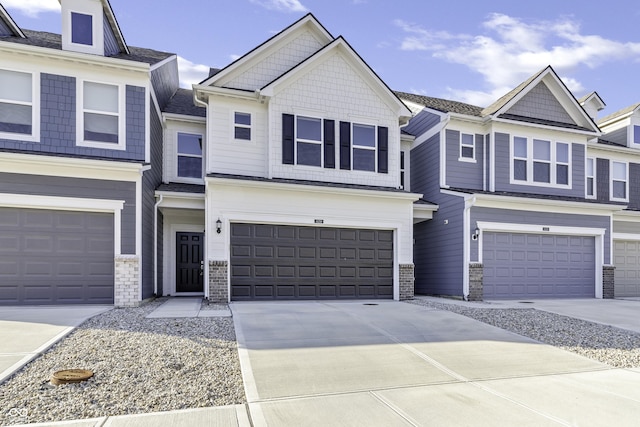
10	23
245	62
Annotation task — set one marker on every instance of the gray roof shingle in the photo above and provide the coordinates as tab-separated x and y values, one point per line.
618	113
182	103
439	104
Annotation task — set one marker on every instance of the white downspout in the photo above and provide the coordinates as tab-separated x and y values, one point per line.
155	245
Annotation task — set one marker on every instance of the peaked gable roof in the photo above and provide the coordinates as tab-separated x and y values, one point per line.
627	111
6	21
442	105
247	60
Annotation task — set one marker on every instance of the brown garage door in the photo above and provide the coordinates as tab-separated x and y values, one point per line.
288	262
55	257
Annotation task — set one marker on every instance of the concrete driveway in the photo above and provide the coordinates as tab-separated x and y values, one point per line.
26	332
349	363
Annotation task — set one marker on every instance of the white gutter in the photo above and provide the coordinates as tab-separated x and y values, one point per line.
155	244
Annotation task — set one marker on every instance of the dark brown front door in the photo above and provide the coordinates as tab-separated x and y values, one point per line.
189	262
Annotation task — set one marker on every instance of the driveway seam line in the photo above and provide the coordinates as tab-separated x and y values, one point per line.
395	409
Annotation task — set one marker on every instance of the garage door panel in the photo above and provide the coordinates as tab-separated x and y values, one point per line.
521	265
310	262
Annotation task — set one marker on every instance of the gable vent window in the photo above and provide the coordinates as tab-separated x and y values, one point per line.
81	29
16	102
189	155
242	126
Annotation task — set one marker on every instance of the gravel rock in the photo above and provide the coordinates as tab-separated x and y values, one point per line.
140	365
615	347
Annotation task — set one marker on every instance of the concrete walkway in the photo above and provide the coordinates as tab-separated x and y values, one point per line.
27	332
348	363
186	307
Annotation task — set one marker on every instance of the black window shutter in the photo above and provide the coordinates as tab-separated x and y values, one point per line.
287	138
329	144
345	145
383	149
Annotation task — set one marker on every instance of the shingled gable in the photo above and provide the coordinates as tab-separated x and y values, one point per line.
245	62
503	107
341	47
8	26
115	27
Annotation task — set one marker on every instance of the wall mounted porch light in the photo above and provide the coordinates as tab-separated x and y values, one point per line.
475	234
218	226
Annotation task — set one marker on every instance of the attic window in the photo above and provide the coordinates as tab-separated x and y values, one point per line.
81	29
636	134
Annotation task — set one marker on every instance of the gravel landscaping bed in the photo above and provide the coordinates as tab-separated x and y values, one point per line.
140	365
616	347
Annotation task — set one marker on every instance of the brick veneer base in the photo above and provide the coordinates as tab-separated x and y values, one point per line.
407	279
608	281
218	280
476	277
127	281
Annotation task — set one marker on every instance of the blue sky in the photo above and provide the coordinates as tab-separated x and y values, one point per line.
462	50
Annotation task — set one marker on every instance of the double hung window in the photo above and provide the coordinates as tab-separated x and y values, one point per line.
16	103
189	155
101	115
619	185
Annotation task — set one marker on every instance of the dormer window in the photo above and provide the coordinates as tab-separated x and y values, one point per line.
636	134
81	28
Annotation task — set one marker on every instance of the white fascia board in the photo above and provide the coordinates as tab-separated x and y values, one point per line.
54	54
314	189
226	92
183	118
30	164
553	128
8	19
179	200
467	118
624	151
631	216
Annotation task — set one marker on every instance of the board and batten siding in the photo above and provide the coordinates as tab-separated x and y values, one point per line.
334	90
503	171
438	250
425	168
550	219
81	188
228	155
464	174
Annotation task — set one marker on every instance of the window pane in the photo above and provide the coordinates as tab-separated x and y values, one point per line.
190	167
243	119
541	172
309	128
101	128
620	190
15	86
364	160
364	135
189	144
467	152
636	134
590	164
467	139
590	187
562	152
541	150
101	97
520	170
402	160
309	154
562	174
81	28
242	133
15	118
619	171
520	147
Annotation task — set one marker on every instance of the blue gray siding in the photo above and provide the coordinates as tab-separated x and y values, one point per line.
540	103
58	123
634	185
438	250
539	218
503	171
110	43
83	188
150	181
425	168
422	122
5	31
165	82
463	174
617	136
602	179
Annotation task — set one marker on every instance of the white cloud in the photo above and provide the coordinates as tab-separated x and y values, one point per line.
511	50
281	5
191	73
32	8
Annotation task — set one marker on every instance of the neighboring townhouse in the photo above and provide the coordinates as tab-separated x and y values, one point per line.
282	178
80	159
613	165
517	217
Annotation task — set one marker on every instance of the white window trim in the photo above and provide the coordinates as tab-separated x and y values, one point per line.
97	48
122	120
530	161
235	125
308	141
586	179
363	147
403	169
611	180
461	158
185	179
35	110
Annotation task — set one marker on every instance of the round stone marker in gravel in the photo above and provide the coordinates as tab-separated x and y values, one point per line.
70	376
